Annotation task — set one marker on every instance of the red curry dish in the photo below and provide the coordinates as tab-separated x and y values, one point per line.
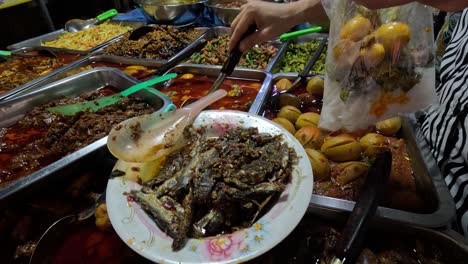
341	175
241	93
42	137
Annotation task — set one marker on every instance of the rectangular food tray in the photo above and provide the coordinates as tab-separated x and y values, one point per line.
13	92
219	31
37	41
89	60
184	53
427	176
15	109
276	66
239	73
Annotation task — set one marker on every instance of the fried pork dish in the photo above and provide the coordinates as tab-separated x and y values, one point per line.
217	50
216	186
20	70
162	43
42	137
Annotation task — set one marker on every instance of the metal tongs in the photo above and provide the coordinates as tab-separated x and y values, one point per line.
349	245
302	77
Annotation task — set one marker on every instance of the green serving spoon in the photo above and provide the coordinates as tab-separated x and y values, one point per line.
79	24
97	104
295	34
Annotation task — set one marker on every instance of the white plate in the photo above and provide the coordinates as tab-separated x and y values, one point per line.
140	233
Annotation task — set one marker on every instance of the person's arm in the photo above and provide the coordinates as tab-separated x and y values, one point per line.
273	19
444	5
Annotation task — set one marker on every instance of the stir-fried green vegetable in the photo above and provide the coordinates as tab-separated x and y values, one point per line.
297	56
216	53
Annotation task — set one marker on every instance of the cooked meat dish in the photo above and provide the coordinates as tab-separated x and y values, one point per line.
162	43
42	137
20	70
216	186
216	52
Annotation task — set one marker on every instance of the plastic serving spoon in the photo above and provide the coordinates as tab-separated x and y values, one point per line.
74	25
298	33
97	104
148	137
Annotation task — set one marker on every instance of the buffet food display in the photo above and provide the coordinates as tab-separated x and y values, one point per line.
32	138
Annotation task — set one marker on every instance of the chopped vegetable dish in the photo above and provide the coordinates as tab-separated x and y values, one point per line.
299	54
216	53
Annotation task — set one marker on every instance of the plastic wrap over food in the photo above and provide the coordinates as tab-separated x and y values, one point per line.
380	64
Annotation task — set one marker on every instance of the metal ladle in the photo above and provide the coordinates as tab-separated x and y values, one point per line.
75	25
54	234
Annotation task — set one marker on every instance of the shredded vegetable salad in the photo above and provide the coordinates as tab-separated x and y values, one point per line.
89	37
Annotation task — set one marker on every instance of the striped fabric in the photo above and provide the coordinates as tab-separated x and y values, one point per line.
446	126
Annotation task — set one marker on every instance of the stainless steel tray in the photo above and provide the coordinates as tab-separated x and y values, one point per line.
37	41
276	66
24	86
241	73
89	60
444	238
206	32
15	109
427	176
219	31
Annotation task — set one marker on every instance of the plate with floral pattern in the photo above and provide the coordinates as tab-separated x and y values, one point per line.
140	233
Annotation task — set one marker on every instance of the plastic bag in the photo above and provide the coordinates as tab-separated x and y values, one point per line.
380	64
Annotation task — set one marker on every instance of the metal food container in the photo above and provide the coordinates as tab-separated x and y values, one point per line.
174	12
87	61
243	74
429	181
187	51
15	109
224	14
49	75
276	67
37	41
216	32
452	245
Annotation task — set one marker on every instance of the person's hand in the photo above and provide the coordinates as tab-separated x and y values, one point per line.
271	20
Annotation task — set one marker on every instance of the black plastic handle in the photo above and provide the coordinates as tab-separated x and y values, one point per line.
350	243
236	54
305	72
